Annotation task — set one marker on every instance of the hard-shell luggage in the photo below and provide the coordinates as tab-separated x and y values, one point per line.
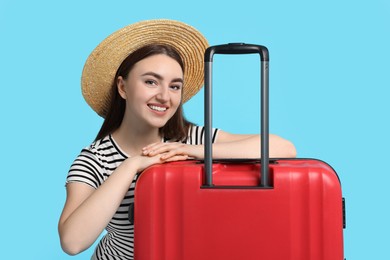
282	209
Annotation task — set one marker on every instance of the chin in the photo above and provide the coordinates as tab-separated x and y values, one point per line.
158	123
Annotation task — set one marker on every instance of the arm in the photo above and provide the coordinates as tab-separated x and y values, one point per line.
248	146
88	211
226	146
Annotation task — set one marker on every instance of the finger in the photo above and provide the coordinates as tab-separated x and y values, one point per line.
155	146
172	152
149	146
164	148
150	149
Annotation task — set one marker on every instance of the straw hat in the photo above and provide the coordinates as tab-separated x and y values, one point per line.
101	66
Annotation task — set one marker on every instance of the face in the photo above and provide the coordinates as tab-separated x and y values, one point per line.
152	91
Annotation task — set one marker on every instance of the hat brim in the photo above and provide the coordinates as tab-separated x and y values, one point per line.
101	66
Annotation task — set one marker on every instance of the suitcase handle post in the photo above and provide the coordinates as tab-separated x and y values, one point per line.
237	48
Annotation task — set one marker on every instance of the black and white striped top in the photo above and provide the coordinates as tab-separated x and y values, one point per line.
93	166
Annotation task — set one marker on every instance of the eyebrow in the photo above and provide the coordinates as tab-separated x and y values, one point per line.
159	77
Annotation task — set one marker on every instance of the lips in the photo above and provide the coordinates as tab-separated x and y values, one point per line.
158	108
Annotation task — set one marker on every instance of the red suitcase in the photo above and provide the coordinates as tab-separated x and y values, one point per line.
225	210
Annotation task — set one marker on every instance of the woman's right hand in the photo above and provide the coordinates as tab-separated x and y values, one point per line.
141	162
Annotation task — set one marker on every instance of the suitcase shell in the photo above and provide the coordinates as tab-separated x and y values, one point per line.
300	218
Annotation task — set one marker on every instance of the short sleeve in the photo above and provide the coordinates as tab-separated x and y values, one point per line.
86	169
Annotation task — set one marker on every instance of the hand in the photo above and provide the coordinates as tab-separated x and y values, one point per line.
140	162
173	151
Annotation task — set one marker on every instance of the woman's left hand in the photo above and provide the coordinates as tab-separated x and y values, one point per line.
173	151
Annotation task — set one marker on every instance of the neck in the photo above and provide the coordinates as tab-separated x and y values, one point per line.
132	139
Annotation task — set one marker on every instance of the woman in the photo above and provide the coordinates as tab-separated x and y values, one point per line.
137	79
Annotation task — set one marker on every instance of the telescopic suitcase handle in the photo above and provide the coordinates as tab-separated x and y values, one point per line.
237	48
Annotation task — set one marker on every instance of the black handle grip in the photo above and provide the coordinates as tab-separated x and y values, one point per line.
237	48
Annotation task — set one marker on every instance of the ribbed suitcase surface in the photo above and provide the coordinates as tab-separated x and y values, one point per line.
300	218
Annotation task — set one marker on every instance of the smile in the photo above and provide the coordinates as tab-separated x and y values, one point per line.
158	108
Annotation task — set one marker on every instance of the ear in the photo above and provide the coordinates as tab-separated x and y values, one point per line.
120	83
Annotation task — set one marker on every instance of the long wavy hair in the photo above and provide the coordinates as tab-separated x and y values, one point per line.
177	126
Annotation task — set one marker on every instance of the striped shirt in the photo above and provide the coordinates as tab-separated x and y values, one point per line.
93	166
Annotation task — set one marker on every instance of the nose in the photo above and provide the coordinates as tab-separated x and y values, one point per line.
163	94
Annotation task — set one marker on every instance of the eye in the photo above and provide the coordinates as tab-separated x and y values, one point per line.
176	87
151	82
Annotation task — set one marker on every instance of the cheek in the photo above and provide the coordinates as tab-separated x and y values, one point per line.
177	99
139	93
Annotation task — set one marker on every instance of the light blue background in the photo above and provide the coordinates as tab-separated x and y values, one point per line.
329	80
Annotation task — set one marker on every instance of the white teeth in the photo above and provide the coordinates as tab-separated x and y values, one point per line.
161	109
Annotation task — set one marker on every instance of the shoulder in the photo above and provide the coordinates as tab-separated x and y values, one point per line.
105	153
196	134
102	150
95	162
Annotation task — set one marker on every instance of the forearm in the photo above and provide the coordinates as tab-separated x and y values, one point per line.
84	225
250	148
226	146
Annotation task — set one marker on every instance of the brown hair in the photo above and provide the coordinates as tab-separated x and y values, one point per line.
177	126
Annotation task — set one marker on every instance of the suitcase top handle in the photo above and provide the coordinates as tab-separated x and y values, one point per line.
237	48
